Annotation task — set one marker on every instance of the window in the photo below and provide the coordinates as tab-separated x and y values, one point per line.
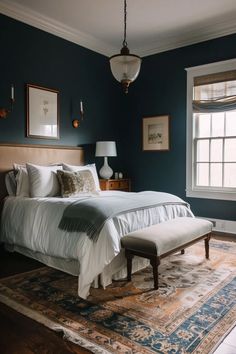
211	131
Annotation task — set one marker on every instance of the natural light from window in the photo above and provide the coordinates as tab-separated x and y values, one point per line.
211	127
216	149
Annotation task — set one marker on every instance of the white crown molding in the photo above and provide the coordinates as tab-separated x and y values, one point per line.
57	28
193	36
219	66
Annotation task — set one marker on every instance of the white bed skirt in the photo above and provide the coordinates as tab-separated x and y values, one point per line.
114	271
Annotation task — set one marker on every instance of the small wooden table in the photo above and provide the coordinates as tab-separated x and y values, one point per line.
115	184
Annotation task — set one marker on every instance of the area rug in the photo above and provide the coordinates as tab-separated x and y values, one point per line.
191	312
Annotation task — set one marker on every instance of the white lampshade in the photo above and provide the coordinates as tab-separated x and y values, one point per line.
105	148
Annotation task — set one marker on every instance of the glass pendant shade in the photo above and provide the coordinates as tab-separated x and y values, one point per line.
125	68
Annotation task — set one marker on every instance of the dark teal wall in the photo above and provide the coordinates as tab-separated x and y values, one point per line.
161	89
29	55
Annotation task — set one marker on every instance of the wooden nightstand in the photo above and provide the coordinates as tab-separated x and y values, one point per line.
115	184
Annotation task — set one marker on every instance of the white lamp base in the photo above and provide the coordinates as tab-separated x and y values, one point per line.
106	172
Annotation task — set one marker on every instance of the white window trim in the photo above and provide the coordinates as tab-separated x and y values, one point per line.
191	191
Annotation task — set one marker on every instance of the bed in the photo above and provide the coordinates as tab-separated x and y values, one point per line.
30	225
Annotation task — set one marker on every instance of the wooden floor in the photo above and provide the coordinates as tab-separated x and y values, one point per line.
18	333
21	335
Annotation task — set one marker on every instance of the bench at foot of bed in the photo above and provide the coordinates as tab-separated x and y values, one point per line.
158	241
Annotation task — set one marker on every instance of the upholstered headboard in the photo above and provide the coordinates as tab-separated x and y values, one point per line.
37	154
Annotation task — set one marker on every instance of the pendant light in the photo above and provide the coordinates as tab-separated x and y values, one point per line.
125	67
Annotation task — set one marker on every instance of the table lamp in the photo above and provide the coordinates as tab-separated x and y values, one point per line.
105	149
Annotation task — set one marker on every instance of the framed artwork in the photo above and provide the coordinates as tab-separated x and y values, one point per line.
42	112
156	133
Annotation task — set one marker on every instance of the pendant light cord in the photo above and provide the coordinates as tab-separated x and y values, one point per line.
125	19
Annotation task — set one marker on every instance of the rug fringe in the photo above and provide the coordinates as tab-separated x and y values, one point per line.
67	334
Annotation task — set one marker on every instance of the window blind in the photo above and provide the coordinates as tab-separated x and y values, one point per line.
215	92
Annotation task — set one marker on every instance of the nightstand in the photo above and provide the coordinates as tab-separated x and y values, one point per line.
115	184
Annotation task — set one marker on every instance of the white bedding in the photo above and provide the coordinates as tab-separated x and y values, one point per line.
32	223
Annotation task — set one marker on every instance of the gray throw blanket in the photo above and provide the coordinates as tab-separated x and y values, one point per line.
89	215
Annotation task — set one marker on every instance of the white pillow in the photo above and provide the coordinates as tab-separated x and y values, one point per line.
22	181
43	180
10	181
90	167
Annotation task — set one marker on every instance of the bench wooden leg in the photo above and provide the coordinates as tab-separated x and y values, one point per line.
207	245
129	257
155	261
183	251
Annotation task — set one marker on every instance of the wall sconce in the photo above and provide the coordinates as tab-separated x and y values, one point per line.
4	111
76	122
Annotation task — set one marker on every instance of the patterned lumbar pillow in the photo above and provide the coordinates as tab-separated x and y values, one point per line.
76	183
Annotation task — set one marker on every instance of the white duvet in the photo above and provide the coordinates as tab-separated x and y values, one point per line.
33	223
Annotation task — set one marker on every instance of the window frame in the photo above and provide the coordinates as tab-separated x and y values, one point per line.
191	189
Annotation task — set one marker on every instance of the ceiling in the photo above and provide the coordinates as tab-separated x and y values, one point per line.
153	26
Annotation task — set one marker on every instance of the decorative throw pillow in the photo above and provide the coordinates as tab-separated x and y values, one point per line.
43	180
76	183
90	167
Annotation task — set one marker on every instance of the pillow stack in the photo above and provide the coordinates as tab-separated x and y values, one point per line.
64	180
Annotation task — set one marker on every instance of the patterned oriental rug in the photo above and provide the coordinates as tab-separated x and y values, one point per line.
192	311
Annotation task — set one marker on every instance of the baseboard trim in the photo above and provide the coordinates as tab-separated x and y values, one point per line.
224	234
222	226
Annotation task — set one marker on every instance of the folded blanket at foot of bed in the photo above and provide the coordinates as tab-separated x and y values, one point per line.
89	215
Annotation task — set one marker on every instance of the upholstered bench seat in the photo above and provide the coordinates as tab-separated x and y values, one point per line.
160	240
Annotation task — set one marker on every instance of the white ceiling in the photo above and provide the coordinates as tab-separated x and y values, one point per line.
152	25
